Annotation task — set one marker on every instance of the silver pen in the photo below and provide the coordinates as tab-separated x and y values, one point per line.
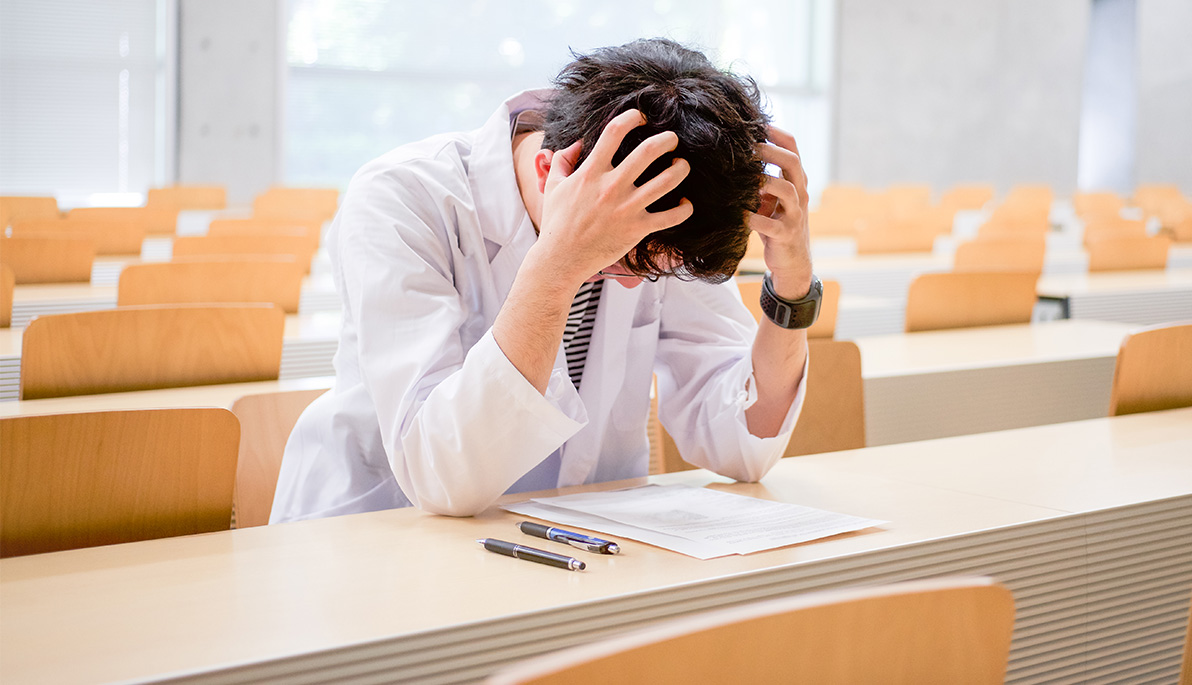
577	540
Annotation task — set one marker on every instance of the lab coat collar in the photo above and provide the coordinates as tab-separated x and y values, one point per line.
494	185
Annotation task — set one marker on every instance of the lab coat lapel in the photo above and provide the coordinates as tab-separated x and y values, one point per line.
603	376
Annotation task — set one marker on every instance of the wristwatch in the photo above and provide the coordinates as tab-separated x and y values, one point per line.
792	314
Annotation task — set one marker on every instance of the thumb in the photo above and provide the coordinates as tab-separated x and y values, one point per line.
563	163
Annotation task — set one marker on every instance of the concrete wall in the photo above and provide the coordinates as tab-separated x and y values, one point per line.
1164	145
950	91
229	71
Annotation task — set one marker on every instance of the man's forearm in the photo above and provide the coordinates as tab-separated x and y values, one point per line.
778	359
529	327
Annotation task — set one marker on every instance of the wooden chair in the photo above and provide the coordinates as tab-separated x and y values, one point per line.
880	238
1123	254
973	298
311	229
833	416
266	421
1014	222
967	196
1028	195
1180	231
825	324
7	281
1097	204
294	245
15	208
1113	227
142	348
1153	371
48	259
109	238
906	199
313	203
997	254
276	280
943	630
101	478
155	220
844	196
824	223
188	197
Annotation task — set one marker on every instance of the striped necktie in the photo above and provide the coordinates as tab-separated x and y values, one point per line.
577	334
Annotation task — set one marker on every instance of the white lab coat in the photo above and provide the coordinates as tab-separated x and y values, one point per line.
427	410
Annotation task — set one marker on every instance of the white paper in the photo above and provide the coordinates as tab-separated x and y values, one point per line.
697	522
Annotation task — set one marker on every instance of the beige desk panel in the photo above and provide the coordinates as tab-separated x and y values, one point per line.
413	595
1145	297
195	396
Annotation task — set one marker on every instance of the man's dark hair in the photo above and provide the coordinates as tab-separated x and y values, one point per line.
719	120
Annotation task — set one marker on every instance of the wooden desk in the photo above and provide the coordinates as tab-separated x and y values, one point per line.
28	301
1143	297
1089	524
307	350
936	384
192	396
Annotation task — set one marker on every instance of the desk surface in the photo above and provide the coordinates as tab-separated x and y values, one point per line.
413	582
989	346
1115	282
299	327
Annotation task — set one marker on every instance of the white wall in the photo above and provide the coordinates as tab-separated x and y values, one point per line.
1164	121
229	73
949	91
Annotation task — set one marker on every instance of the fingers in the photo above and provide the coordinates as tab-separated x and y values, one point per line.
611	137
562	163
646	153
788	194
783	139
653	190
674	216
792	167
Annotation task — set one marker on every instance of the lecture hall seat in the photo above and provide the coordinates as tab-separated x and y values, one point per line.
101	478
42	258
110	238
148	347
942	630
1023	253
962	299
1153	370
273	279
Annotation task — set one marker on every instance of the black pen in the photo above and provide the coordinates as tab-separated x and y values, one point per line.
578	540
509	549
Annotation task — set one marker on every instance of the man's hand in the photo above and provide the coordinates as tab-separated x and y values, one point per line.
595	214
782	219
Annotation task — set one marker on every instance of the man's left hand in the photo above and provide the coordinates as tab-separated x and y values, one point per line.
782	219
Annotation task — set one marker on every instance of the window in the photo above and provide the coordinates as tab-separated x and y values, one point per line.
366	76
83	93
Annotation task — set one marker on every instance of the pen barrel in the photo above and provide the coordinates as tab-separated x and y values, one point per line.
538	556
536	529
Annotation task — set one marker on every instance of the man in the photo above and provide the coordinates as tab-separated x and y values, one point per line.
486	276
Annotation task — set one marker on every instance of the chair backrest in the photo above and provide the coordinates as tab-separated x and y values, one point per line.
277	280
278	201
833	416
294	244
1014	254
1113	227
895	236
309	228
147	347
904	199
967	197
1014	223
824	223
101	478
1097	204
15	208
157	220
7	281
109	238
266	421
1122	254
1027	195
1153	370
931	631
48	259
188	197
825	324
970	298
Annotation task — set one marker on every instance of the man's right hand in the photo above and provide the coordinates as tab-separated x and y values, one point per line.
595	214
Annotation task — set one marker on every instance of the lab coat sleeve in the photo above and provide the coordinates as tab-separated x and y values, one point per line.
459	426
705	381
